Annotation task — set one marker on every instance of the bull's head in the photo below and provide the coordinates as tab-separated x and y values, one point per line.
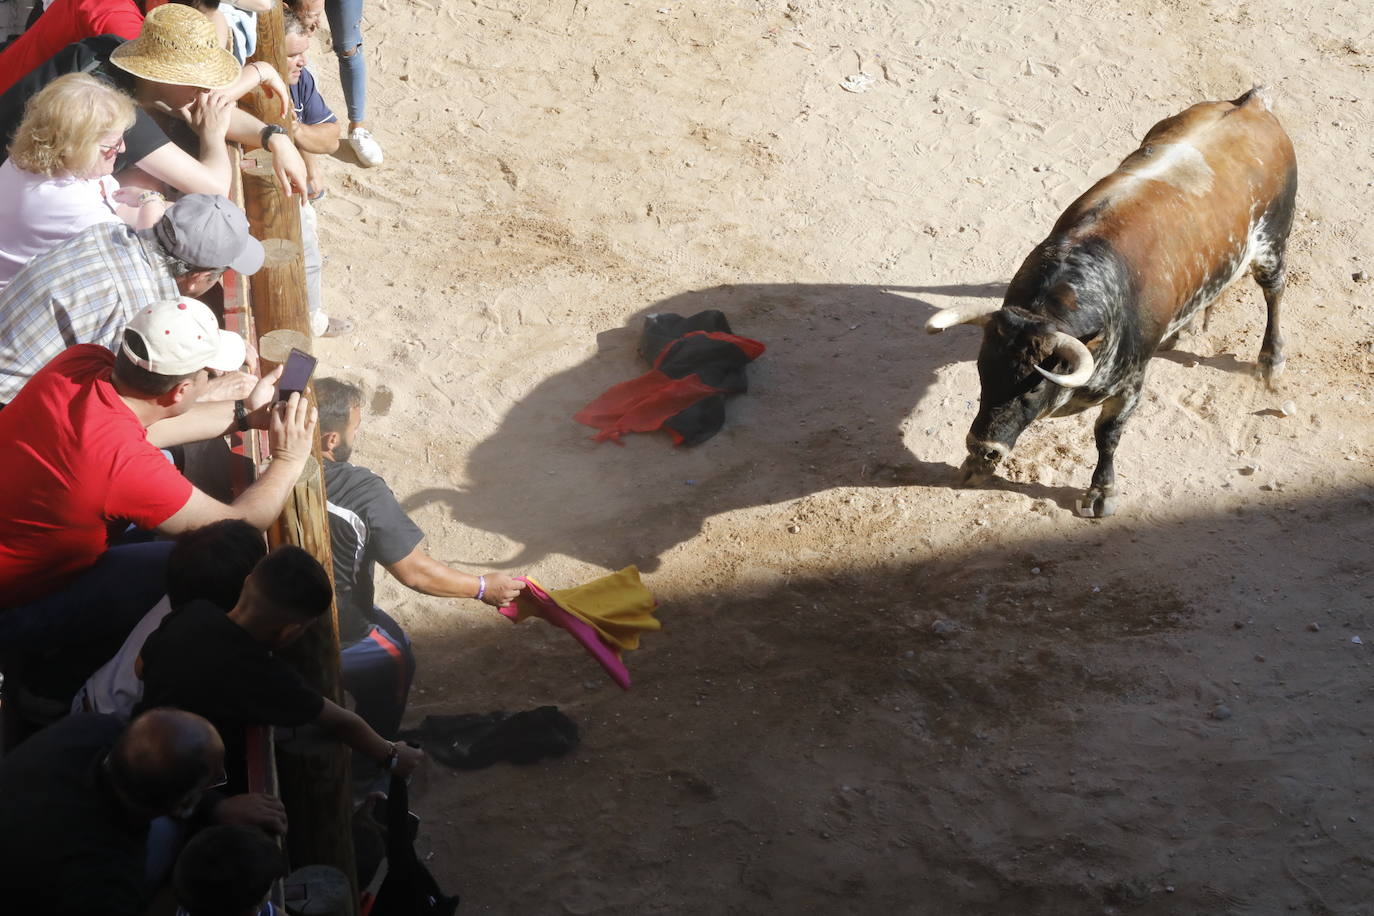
1016	388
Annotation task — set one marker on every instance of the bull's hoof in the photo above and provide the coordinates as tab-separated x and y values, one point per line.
1268	368
1097	503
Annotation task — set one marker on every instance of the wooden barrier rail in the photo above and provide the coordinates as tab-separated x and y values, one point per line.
312	778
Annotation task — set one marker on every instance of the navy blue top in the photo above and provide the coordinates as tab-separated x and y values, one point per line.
310	106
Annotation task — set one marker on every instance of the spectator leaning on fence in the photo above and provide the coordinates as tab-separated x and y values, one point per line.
88	288
79	446
57	178
207	564
223	667
87	802
176	72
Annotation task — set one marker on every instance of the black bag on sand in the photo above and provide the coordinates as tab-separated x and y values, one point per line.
408	888
472	741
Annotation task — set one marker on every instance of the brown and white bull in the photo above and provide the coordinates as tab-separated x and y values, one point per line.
1208	195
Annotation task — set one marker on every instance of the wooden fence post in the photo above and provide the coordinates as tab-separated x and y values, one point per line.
316	784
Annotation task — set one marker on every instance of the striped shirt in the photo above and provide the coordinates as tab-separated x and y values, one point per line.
83	291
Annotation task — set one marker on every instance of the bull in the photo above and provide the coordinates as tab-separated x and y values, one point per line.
1208	195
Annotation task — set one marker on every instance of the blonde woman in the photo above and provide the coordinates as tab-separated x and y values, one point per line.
175	71
57	180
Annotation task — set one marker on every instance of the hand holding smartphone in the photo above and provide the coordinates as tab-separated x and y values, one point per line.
295	375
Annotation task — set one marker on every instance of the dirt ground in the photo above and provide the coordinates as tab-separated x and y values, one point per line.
874	692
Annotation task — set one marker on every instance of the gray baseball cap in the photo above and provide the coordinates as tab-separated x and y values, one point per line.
207	230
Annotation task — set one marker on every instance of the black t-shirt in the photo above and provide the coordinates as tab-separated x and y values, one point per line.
366	526
90	55
201	661
66	844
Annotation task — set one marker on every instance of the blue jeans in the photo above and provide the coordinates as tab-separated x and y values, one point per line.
378	670
346	31
98	607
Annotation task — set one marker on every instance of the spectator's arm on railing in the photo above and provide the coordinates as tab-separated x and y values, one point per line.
209	116
259	73
350	728
286	159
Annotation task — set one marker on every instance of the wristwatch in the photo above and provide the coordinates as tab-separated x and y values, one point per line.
241	416
267	133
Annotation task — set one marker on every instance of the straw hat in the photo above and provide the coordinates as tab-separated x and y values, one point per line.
178	46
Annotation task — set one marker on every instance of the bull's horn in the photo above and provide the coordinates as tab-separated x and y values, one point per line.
1080	360
969	313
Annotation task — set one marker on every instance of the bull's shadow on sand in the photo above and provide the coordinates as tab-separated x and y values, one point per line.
829	405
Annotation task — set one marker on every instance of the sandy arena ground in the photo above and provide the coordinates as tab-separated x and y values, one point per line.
874	693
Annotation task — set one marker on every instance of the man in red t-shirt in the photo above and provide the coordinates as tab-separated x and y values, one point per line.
63	22
80	460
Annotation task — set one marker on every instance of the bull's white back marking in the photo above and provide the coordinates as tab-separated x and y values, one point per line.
1178	164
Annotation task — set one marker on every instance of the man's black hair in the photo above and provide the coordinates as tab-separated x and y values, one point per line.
210	563
226	871
133	376
293	583
335	400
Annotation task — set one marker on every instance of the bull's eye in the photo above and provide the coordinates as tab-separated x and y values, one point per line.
991	455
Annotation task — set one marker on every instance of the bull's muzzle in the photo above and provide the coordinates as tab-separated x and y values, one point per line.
981	463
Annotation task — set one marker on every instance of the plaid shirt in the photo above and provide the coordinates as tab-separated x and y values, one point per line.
83	291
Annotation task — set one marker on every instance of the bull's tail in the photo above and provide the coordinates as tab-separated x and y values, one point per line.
1259	96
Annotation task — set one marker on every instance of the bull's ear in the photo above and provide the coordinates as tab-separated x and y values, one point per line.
1093	342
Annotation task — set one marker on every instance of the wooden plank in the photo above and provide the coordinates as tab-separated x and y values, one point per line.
316	781
238	317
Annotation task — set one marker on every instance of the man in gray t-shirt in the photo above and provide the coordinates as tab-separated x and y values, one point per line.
367	526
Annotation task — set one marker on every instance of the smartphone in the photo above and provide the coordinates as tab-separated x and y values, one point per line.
296	374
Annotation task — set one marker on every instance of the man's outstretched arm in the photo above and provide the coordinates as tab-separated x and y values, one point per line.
421	572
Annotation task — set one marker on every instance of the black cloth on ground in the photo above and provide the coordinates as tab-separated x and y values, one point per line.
471	741
718	363
697	362
201	661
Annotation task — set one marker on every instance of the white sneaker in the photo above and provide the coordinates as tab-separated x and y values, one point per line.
368	150
322	325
